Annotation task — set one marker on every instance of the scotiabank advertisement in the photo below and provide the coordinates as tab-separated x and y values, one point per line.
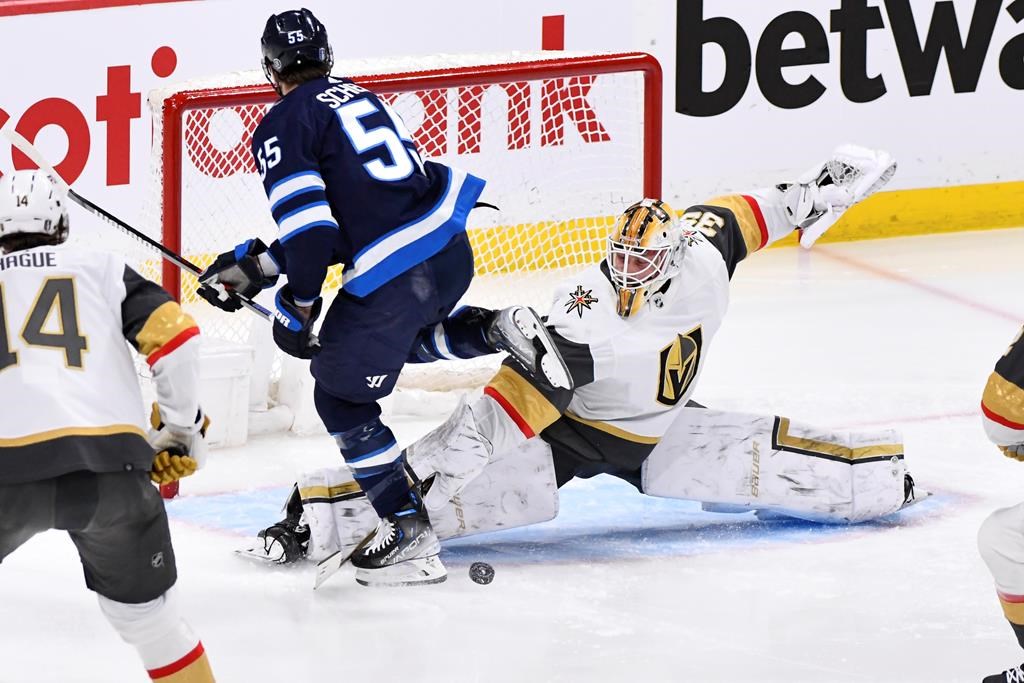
753	92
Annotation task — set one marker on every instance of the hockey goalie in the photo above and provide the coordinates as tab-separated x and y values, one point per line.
634	331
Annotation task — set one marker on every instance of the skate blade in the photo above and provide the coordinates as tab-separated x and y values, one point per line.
421	571
551	363
919	496
259	555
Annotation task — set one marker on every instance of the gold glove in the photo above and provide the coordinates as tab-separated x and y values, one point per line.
180	451
172	465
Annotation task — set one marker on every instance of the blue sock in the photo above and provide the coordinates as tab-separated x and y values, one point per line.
377	465
369	449
460	335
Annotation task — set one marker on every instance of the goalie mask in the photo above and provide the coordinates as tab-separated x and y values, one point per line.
31	204
645	250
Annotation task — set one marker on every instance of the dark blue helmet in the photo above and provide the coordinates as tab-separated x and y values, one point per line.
295	39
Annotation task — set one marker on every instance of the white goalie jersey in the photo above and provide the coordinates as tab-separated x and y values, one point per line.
633	373
646	365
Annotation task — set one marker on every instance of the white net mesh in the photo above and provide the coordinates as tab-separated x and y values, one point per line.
562	154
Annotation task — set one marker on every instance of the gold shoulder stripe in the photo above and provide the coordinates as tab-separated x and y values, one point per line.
1003	399
163	325
40	437
745	218
826	449
615	431
531	405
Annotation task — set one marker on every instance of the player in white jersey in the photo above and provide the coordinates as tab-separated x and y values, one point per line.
1001	538
634	331
74	451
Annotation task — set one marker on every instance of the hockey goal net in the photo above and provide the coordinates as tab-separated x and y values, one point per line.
565	142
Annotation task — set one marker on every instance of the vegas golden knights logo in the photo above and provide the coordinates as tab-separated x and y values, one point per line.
679	362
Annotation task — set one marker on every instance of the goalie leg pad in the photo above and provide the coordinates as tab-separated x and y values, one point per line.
769	463
336	511
460	448
515	489
457	451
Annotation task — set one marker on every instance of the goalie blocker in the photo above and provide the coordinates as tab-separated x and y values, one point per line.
731	462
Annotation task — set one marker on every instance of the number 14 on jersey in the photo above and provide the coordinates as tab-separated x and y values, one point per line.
57	295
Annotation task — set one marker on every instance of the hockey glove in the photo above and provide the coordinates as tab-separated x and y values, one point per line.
180	451
293	328
821	195
246	270
1016	451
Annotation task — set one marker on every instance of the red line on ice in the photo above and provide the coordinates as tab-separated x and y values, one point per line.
923	286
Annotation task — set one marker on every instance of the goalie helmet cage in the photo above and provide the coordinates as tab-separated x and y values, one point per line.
566	141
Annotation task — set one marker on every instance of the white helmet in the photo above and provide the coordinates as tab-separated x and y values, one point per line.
31	203
645	250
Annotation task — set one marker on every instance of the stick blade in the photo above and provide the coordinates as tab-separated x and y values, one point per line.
328	567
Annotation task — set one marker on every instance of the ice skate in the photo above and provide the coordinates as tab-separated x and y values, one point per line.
403	551
1012	675
286	541
282	543
519	331
913	494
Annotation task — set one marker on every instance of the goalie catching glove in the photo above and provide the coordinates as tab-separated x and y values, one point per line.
820	196
180	450
245	270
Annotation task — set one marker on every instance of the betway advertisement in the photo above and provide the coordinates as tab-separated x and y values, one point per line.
753	91
936	83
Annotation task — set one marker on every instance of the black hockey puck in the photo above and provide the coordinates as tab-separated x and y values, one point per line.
481	573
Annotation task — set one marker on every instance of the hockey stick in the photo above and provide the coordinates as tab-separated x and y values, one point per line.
30	150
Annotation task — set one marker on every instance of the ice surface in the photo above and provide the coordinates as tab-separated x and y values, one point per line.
622	587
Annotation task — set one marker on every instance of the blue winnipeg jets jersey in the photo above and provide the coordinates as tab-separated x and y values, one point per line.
347	185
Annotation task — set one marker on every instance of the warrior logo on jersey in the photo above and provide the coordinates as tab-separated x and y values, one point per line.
679	362
579	299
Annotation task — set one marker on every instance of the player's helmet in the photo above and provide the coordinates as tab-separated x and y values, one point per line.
32	204
294	39
645	250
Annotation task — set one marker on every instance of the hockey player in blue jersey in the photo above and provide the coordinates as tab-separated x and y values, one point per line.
346	185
